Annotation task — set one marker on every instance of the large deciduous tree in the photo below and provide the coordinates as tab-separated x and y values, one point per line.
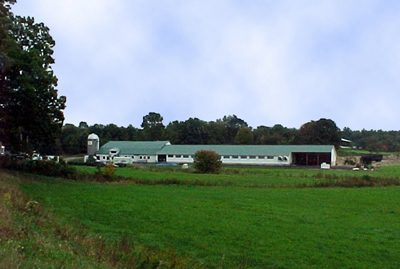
30	108
232	125
321	132
244	136
153	127
74	139
192	131
7	45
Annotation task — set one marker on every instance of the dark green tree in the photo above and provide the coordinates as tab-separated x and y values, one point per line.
244	136
260	133
7	44
132	133
347	133
283	135
153	127
232	125
83	125
216	133
192	131
7	47
374	144
276	135
173	132
31	109
112	132
207	161
321	132
74	139
195	131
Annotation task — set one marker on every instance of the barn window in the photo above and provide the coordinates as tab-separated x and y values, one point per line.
261	157
185	156
178	156
270	157
170	156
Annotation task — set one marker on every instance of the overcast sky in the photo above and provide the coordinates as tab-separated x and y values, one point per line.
268	62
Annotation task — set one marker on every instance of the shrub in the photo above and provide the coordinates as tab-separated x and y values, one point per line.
207	161
109	171
46	168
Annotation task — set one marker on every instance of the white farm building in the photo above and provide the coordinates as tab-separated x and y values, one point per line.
130	152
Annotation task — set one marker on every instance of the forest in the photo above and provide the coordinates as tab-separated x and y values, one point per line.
227	130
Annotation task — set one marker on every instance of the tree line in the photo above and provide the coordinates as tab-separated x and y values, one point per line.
229	130
225	131
373	140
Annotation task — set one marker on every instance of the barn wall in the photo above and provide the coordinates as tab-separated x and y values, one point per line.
135	159
250	160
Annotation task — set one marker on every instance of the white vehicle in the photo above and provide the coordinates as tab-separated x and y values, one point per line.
122	160
36	156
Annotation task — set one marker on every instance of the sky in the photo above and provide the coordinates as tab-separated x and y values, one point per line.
267	62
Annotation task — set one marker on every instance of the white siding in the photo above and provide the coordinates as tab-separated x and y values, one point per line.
129	158
256	160
180	158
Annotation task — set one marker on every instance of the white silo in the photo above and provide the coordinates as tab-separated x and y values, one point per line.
93	144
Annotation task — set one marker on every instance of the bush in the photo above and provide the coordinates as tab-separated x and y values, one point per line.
46	168
207	161
109	171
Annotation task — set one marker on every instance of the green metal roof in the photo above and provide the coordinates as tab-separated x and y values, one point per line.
164	147
133	147
248	150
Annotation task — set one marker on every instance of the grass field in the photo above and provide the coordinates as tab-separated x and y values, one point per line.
246	177
29	238
248	217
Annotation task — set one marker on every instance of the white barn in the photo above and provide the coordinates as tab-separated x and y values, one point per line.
254	154
129	152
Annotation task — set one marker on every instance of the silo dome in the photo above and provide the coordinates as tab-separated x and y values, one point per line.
93	144
93	136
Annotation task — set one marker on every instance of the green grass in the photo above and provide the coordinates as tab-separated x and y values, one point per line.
28	236
231	177
233	226
32	237
260	177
